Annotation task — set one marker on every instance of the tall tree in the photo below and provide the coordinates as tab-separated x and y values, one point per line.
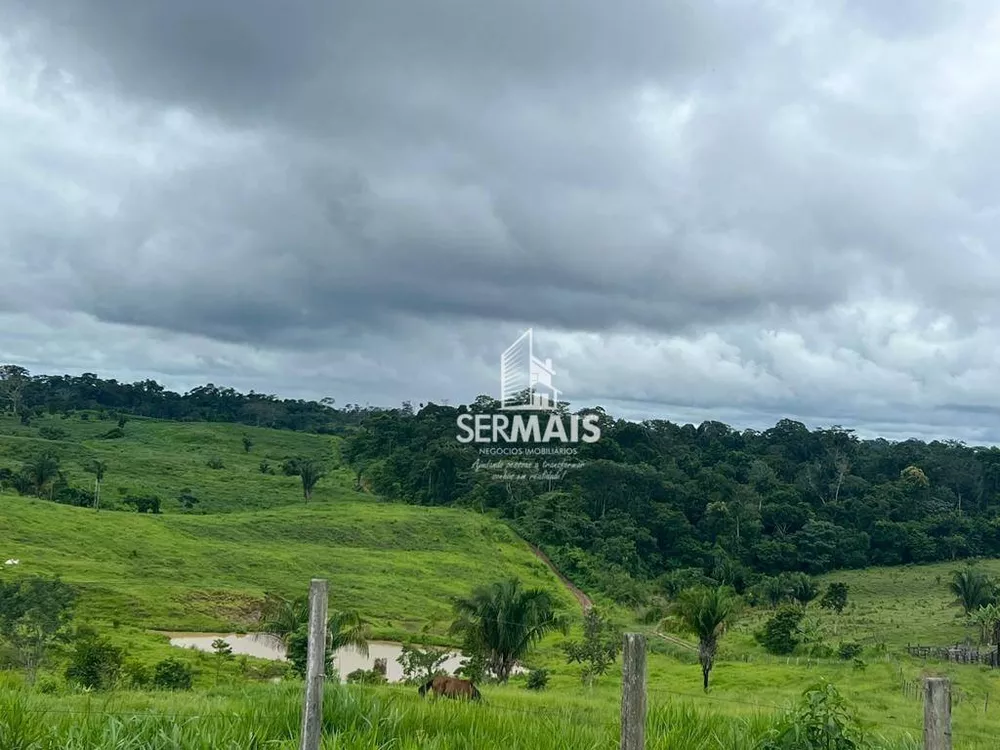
98	468
35	614
706	613
503	621
310	473
13	380
835	597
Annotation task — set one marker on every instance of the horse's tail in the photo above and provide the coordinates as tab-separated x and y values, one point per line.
425	687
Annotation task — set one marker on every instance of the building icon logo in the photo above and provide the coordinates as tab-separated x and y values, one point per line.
526	381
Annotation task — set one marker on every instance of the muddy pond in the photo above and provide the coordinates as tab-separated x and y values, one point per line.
345	661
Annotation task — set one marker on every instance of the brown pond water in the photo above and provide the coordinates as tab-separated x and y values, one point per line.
345	661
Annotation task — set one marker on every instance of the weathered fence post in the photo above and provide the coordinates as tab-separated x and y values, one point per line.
937	713
634	692
312	707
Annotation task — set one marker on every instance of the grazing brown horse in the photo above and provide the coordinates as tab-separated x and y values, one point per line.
450	687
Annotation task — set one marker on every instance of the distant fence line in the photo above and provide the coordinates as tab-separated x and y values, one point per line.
958	653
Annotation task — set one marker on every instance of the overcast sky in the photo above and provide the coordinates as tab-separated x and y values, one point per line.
705	209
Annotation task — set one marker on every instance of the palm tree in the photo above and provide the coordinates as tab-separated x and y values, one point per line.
310	473
98	469
41	471
281	617
287	620
972	589
345	628
706	613
502	621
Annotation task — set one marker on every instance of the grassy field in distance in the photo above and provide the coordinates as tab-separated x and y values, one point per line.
165	458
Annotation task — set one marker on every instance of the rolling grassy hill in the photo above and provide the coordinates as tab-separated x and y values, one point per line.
165	458
251	532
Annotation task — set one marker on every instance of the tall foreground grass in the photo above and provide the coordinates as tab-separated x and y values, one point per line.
355	718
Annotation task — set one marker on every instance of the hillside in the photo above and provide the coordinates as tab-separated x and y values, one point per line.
166	458
207	569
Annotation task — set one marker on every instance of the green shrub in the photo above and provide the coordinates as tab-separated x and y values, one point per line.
137	675
47	685
171	674
780	635
215	463
849	650
822	721
366	677
95	662
820	651
537	679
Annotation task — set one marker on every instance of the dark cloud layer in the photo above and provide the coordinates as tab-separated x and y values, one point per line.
732	208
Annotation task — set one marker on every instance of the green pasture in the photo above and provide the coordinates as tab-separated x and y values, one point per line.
166	458
399	566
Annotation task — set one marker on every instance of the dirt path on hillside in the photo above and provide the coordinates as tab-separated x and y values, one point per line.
581	597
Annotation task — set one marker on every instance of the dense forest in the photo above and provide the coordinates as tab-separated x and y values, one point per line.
650	499
27	395
657	497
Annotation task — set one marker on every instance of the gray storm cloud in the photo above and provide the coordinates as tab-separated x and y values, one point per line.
733	210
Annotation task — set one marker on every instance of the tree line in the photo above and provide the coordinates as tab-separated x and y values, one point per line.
655	500
651	497
27	395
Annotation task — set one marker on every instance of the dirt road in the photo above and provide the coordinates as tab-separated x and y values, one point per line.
581	597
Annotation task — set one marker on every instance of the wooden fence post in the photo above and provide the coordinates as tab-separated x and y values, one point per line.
312	707
937	713
634	692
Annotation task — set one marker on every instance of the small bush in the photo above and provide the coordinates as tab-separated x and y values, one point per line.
849	650
52	433
47	685
144	503
73	496
137	675
820	651
215	463
265	468
171	674
781	634
822	719
187	499
95	663
537	679
112	434
366	677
